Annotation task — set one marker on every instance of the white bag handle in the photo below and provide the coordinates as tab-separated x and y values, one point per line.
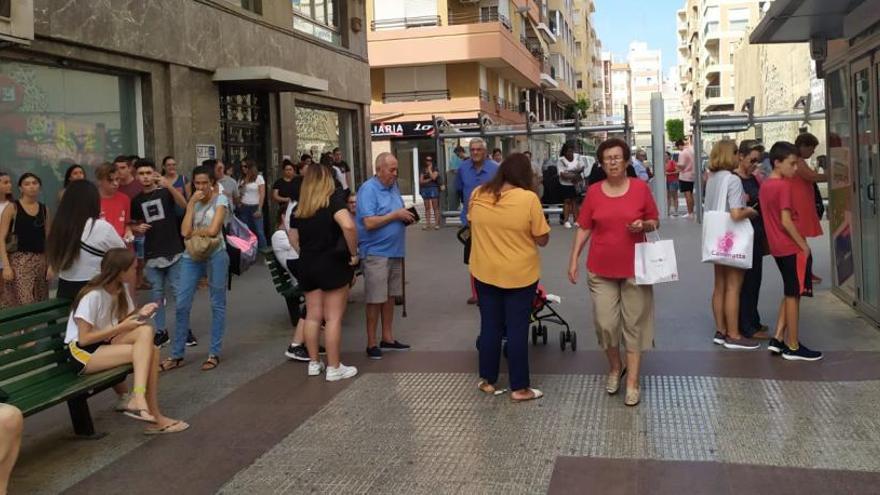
652	236
721	202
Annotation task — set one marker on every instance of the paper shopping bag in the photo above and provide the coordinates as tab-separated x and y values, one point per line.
655	262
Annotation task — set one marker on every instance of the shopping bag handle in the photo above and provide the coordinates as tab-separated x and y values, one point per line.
652	236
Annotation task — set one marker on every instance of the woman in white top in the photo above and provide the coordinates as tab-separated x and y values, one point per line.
253	194
570	169
728	280
6	300
106	330
78	241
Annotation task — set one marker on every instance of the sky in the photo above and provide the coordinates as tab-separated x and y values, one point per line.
620	21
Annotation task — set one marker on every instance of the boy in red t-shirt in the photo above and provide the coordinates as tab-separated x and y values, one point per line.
790	250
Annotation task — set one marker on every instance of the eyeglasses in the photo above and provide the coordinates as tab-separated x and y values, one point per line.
475	149
612	159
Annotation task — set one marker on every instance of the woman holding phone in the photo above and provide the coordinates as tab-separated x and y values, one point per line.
105	330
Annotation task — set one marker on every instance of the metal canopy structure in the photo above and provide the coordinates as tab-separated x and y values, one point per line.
715	124
485	128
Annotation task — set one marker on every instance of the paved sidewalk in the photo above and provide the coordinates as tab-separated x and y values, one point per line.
414	422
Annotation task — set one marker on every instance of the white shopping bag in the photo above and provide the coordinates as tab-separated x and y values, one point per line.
655	261
726	242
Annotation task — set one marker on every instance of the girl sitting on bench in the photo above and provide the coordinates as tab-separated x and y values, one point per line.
106	330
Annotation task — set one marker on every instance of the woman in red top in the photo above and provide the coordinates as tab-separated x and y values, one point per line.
614	217
671	186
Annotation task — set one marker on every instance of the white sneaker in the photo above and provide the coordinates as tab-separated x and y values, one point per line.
316	367
340	372
568	225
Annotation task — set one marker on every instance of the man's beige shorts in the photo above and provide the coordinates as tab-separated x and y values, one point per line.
383	278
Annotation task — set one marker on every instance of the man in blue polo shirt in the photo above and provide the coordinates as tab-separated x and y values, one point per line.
473	172
381	222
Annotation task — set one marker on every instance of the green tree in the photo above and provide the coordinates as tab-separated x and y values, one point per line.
675	129
582	104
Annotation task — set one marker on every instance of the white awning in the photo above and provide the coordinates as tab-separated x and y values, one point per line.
268	78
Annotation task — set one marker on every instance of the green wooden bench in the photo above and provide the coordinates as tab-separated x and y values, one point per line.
285	286
35	370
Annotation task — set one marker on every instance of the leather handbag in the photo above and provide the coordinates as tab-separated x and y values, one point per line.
200	247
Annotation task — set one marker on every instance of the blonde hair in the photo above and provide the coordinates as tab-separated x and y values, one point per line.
317	187
723	156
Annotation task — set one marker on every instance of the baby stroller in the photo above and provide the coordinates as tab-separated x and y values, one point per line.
543	312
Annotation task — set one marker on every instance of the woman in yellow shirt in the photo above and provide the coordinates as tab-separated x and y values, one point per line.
507	226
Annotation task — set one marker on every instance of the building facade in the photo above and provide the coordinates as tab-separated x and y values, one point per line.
621	91
709	32
189	78
646	73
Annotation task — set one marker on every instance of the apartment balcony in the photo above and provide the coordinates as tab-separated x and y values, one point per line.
487	39
716	101
563	93
548	75
405	23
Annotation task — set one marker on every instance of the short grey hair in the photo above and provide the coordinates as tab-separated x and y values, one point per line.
478	141
382	158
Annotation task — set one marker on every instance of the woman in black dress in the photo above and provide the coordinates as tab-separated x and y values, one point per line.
323	231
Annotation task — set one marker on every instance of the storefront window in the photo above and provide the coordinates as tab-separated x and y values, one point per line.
840	196
320	130
317	18
51	117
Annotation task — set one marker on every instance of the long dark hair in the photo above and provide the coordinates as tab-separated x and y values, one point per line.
79	203
9	196
515	170
116	262
69	172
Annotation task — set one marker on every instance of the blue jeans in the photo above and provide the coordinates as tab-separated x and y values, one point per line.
158	277
245	213
217	269
500	310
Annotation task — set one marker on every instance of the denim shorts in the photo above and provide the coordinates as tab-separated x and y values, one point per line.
672	186
429	192
139	247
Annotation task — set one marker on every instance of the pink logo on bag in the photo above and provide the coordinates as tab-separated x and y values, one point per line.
725	243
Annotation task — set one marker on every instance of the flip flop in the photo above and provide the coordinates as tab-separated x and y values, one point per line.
486	387
536	394
170	363
175	427
139	414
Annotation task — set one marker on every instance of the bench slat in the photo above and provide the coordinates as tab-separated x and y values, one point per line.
30	309
15	385
27	352
33	364
15	341
34	320
63	388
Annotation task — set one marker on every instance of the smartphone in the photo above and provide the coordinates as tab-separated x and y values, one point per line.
412	209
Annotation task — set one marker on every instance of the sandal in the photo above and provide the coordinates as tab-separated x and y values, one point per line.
170	363
210	363
536	394
486	387
175	427
139	414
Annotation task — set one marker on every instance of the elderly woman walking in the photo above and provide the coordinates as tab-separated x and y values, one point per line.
507	226
614	217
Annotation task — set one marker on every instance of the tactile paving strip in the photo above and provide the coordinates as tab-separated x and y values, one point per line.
435	433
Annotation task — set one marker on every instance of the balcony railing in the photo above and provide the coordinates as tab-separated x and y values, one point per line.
506	105
405	22
534	47
457	18
426	95
713	92
485	96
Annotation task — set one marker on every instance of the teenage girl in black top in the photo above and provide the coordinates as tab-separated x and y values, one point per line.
25	271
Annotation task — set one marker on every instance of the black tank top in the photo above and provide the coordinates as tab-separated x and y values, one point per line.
31	230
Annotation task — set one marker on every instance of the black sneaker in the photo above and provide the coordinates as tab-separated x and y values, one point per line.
374	353
776	346
802	353
297	353
393	346
718	339
191	339
161	338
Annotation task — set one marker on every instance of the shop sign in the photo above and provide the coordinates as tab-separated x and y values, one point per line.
205	152
409	129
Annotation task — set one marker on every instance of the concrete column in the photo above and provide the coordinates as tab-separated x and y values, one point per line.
658	146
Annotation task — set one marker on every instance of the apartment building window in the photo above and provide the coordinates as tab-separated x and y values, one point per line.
5	8
317	18
738	19
421	83
398	14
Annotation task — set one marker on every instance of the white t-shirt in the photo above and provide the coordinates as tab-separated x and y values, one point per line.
250	191
340	176
282	248
576	165
97	309
97	238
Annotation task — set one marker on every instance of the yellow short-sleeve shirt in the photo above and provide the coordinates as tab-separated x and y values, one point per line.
503	249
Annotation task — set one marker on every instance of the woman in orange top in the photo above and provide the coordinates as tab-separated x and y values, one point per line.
803	193
507	226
